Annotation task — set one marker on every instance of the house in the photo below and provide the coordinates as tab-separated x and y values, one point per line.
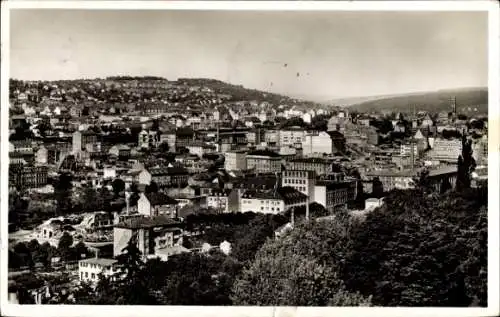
319	165
427	121
165	176
89	270
27	176
155	204
149	234
338	142
272	201
291	136
218	200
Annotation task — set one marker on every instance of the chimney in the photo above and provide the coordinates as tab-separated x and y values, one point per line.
292	217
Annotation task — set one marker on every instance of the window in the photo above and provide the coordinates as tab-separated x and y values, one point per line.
93	276
261	208
81	275
86	274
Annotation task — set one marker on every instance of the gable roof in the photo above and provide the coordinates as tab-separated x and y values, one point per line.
160	199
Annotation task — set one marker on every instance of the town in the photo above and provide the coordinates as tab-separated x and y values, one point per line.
201	167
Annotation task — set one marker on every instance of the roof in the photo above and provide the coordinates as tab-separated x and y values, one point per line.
443	170
100	261
158	171
156	199
147	222
264	153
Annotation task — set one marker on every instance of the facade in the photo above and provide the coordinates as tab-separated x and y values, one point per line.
291	137
271	201
318	165
264	162
218	200
164	176
148	139
81	139
235	161
150	235
90	269
302	181
156	204
332	195
446	150
319	142
27	176
394	179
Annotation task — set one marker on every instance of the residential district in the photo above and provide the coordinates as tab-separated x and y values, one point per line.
95	163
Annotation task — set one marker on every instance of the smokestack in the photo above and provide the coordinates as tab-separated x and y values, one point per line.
292	217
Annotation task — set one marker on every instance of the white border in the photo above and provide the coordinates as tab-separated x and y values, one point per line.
494	151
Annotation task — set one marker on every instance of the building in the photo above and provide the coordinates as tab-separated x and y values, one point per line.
156	204
90	269
81	139
446	150
27	176
317	142
235	161
148	139
218	200
319	165
272	201
333	195
164	176
302	181
338	142
292	137
150	235
394	179
262	161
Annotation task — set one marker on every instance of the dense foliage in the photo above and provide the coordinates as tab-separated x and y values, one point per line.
422	250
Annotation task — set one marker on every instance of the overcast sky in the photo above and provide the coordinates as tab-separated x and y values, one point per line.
337	54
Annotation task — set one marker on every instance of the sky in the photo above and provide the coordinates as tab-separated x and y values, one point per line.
323	55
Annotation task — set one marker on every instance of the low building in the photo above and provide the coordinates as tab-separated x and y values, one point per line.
90	269
218	200
165	176
272	201
156	204
148	234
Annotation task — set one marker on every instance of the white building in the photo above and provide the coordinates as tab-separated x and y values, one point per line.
292	137
317	143
89	269
302	181
307	118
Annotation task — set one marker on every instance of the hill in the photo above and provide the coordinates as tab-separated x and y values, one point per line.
430	101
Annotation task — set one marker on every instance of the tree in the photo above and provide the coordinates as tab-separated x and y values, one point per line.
299	269
118	186
64	246
466	165
377	188
415	250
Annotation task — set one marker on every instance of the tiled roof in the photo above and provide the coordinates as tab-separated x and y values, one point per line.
146	222
160	199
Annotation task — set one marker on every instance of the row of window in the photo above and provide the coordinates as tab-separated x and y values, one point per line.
294	181
269	208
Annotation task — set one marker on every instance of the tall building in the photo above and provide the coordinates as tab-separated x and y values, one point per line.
264	161
81	139
302	181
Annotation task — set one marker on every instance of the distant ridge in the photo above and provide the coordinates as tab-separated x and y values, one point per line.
435	101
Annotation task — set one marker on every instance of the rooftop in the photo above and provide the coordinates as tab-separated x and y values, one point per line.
144	223
100	261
